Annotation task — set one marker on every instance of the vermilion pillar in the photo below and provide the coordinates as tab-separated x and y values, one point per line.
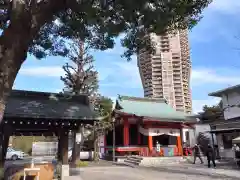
139	138
150	139
150	143
125	132
179	143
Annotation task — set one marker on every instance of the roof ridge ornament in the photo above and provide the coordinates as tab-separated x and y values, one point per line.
119	97
143	99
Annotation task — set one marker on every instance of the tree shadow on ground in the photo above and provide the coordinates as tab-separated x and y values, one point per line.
187	171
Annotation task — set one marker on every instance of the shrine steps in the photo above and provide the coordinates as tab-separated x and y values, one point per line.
135	161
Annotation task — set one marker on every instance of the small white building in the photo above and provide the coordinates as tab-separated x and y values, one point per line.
229	128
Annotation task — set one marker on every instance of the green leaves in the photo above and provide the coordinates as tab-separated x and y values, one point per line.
99	22
212	113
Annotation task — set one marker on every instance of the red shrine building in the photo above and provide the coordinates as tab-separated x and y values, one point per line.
147	127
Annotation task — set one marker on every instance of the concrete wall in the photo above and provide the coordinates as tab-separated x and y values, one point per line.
224	153
229	99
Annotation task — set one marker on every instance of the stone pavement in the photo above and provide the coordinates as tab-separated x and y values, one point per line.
168	172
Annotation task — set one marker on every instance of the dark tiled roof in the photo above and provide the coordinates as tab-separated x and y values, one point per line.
30	104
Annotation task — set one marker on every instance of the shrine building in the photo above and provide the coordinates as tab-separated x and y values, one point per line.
141	124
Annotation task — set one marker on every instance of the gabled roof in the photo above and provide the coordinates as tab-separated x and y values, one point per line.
31	104
226	90
149	107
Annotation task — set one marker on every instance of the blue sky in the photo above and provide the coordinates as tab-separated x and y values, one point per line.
215	59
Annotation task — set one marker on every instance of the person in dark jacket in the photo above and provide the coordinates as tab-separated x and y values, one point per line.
197	153
210	156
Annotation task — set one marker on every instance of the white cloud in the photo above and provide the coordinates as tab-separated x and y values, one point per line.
117	50
197	105
225	6
104	73
201	76
42	71
124	74
212	22
56	71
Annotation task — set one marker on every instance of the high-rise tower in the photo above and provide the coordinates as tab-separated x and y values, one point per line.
166	74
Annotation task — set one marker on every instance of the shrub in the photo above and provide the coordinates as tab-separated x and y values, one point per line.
81	163
1	173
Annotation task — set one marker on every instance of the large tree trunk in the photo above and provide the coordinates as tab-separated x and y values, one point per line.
25	21
14	43
13	52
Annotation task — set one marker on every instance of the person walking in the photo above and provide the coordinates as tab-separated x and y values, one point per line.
210	156
197	153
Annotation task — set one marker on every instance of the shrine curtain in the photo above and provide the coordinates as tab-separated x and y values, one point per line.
159	131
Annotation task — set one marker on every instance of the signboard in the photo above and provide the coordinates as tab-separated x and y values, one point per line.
78	138
101	144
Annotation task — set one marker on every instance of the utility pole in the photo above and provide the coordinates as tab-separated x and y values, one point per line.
114	139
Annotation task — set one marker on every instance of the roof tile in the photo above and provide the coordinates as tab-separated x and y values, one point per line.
148	107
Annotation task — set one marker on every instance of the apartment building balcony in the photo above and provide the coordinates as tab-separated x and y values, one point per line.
165	42
157	66
188	107
165	48
177	76
177	70
178	94
177	83
156	60
157	83
158	93
164	37
178	104
178	90
156	75
179	99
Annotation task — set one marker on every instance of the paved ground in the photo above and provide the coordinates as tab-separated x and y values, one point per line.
169	172
105	170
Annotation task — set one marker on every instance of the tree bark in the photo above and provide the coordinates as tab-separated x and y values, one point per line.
13	52
24	25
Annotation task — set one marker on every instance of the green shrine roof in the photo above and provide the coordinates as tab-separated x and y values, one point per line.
152	108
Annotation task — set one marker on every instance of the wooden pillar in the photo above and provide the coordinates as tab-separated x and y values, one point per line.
59	151
179	143
74	146
150	143
150	139
64	147
125	132
6	133
139	138
139	135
